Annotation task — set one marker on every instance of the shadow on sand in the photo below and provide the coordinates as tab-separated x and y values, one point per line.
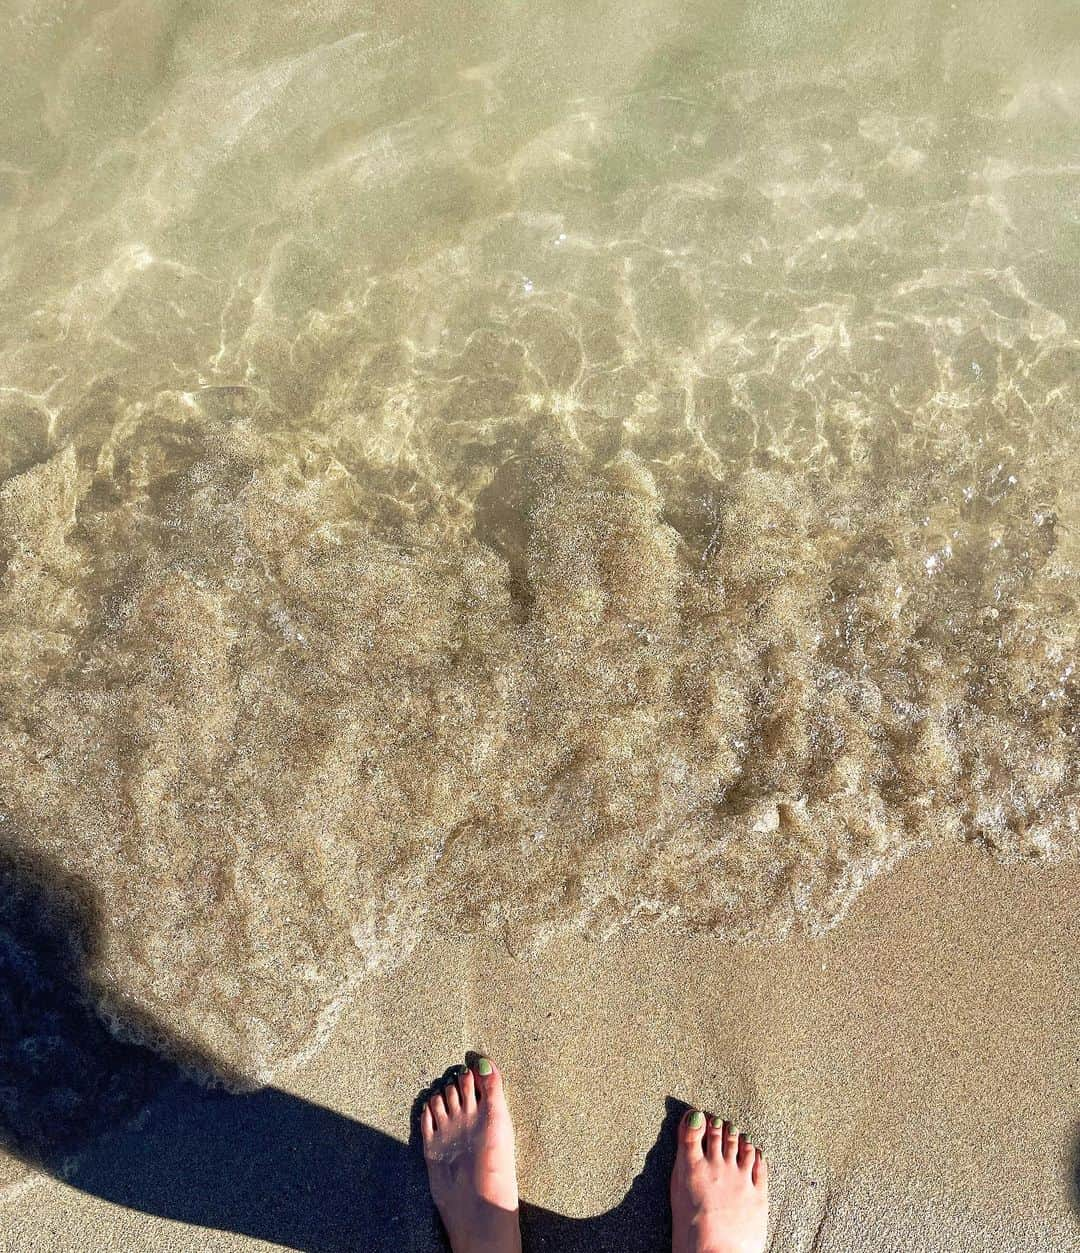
266	1164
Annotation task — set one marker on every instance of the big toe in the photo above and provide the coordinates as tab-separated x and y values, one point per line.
488	1081
691	1134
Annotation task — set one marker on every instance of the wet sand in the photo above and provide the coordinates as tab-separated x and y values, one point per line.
914	1075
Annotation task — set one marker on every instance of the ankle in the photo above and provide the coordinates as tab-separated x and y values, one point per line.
698	1236
493	1230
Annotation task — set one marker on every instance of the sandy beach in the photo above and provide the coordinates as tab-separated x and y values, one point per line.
551	530
914	1076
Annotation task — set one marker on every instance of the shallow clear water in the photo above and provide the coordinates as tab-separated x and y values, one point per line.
519	467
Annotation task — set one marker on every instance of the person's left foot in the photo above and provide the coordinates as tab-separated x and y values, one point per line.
469	1150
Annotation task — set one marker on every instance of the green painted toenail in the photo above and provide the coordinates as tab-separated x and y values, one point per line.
697	1119
484	1066
718	1124
735	1133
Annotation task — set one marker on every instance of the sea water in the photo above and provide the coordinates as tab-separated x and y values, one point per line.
516	468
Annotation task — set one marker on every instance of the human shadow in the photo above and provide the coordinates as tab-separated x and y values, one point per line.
116	1120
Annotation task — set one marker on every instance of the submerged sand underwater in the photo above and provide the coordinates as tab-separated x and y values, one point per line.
518	473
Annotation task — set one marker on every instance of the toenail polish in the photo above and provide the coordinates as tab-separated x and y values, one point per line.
697	1119
718	1124
484	1066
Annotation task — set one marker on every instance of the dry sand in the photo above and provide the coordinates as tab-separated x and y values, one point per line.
914	1075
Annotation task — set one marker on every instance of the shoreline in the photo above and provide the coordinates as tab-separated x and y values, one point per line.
871	1062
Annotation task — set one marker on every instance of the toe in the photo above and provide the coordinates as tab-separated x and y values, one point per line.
452	1097
437	1107
427	1125
487	1079
731	1142
714	1137
467	1089
691	1133
761	1170
746	1154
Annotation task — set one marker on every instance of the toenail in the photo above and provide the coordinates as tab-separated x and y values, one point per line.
735	1133
718	1124
457	1071
484	1066
697	1119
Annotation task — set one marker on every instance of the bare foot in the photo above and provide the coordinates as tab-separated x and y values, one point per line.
469	1150
719	1189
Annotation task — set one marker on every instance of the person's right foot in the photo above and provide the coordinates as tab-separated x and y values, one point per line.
469	1150
719	1189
